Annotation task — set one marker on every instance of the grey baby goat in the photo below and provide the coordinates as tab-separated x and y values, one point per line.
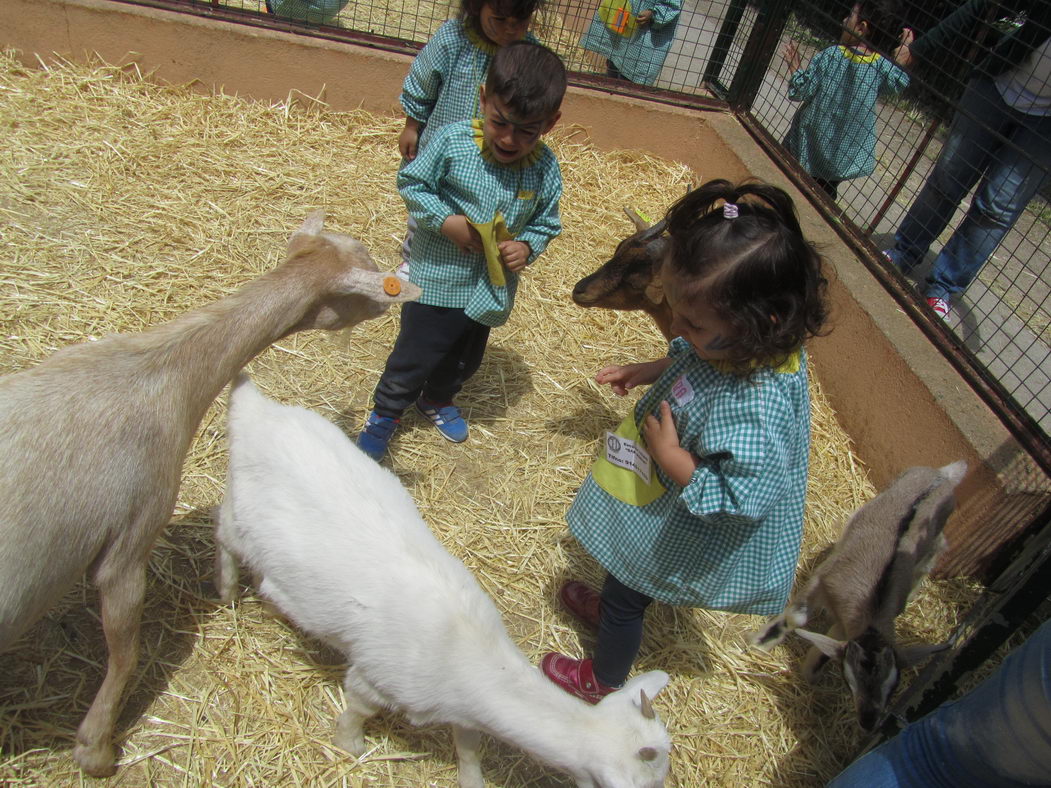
886	549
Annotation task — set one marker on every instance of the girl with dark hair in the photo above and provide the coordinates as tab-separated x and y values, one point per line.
697	498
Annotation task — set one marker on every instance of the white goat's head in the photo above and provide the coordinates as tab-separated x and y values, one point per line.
637	736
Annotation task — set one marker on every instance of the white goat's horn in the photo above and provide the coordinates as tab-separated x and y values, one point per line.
646	706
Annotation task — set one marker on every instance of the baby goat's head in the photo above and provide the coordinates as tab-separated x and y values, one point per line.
872	667
630	279
349	287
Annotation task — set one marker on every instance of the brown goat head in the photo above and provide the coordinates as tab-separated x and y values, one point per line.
630	279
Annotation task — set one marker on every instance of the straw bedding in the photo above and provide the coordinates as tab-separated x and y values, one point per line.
124	203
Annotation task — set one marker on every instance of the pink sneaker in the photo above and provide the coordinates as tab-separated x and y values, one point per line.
582	601
575	676
940	306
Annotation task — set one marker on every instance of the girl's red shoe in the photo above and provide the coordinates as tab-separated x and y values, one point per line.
575	676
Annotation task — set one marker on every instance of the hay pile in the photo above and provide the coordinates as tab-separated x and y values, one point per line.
123	204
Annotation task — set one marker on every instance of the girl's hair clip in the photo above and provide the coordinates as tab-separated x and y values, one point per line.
730	211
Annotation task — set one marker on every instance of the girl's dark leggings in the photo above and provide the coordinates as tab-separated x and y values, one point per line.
620	631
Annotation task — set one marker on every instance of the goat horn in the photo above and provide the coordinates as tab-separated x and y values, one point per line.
655	230
646	706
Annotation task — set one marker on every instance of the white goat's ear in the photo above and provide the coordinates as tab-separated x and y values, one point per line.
831	648
379	286
314	224
649	683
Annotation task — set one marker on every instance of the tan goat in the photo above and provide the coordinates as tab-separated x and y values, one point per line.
887	547
92	442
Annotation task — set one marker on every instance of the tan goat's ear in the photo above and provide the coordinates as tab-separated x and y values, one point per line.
380	286
655	289
830	647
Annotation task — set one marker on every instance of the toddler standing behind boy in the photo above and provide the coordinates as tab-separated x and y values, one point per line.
484	195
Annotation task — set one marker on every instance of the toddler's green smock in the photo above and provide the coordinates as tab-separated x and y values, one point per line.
730	539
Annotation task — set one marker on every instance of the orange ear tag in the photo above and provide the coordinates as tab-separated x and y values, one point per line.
391	285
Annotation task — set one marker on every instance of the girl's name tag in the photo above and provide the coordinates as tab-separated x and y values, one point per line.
682	391
626	453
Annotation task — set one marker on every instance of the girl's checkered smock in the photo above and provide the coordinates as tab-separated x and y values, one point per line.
640	56
443	81
833	134
454	175
730	539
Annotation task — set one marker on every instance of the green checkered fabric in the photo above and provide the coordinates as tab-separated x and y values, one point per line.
443	81
833	133
454	176
730	539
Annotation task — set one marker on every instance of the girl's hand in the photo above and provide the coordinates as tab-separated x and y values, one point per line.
663	443
514	254
644	19
458	230
790	54
623	378
408	139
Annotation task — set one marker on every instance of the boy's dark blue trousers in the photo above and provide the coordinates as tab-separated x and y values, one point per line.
438	349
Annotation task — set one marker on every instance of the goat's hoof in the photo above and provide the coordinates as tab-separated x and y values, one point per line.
97	760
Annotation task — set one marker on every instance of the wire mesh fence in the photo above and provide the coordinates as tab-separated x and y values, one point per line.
982	212
778	63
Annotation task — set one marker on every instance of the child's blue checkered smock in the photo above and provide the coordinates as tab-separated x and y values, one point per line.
730	539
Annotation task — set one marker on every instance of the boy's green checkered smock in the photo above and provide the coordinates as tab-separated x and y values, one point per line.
455	175
730	539
443	81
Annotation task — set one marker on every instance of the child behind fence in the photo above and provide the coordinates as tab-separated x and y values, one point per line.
833	133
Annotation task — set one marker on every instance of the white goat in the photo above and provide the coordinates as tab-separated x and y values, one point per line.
337	544
92	442
887	547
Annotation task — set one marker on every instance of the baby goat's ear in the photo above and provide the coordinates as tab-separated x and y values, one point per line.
831	648
379	286
648	684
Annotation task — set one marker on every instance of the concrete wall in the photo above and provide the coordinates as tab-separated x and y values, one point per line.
896	396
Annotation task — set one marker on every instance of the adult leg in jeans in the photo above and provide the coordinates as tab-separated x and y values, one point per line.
619	632
968	150
1017	172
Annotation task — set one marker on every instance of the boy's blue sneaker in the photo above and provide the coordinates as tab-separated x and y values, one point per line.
374	438
446	418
